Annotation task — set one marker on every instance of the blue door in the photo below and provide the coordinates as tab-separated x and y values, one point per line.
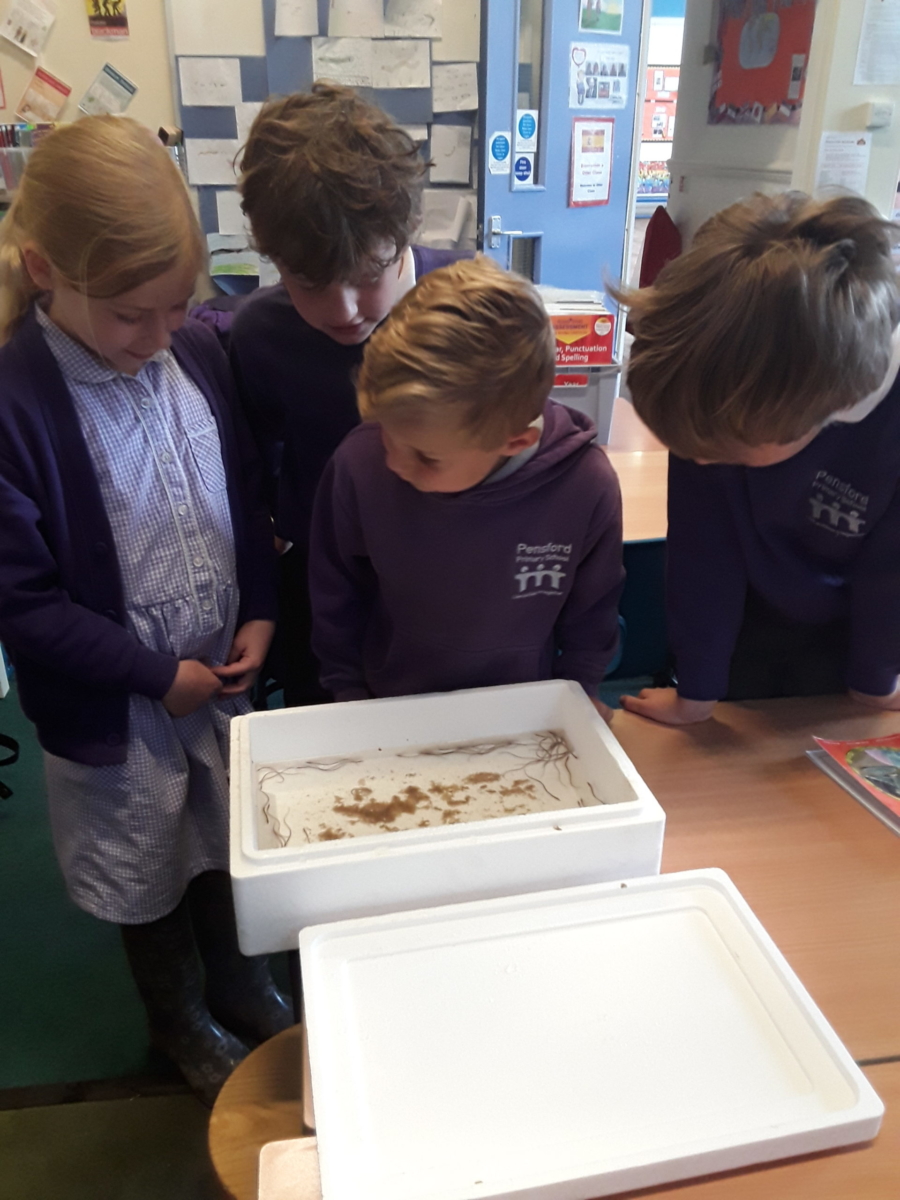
560	82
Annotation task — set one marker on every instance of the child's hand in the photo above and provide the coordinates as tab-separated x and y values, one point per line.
667	707
194	685
246	657
889	703
603	709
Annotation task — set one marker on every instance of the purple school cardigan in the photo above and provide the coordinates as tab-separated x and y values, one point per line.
61	598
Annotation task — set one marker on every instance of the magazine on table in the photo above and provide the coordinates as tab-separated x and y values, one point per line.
869	770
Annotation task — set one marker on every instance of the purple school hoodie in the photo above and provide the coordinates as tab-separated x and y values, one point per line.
510	581
818	536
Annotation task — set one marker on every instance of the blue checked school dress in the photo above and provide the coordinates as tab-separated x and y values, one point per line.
130	836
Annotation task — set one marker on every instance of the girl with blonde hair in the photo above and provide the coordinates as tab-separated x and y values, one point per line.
136	573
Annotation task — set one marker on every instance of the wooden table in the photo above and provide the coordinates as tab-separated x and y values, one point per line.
821	873
642	464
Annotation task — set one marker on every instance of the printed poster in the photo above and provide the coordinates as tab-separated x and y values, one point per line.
109	93
844	161
591	170
44	98
107	18
28	25
600	16
598	75
762	51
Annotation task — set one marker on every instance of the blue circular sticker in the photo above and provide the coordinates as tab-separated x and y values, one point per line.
527	125
523	169
500	148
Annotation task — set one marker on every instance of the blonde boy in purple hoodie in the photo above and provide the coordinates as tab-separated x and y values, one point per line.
469	533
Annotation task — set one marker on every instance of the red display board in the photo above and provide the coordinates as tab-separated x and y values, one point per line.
762	55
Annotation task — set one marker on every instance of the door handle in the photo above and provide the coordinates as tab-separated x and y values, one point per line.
497	232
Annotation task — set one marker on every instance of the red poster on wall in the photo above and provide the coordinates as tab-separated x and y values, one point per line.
762	55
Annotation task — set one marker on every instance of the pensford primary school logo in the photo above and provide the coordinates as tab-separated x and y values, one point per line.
837	507
540	569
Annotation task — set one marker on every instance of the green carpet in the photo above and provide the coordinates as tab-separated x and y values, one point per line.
68	1008
146	1149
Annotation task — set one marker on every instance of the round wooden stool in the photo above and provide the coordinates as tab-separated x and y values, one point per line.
261	1102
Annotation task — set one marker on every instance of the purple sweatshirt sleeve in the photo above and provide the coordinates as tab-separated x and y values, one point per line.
340	588
39	619
587	630
706	581
874	659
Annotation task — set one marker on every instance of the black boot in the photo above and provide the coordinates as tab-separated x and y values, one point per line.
163	960
240	991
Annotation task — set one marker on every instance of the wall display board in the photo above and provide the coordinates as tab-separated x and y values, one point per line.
396	53
762	49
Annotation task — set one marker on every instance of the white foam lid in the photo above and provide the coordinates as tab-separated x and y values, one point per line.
567	1044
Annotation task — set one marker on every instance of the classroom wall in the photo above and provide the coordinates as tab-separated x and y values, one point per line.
75	57
833	101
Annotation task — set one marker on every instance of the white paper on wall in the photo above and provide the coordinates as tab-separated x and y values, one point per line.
231	219
245	114
210	82
343	60
413	18
217	27
401	64
211	160
296	18
844	161
418	133
451	152
878	53
356	18
448	219
461	35
454	87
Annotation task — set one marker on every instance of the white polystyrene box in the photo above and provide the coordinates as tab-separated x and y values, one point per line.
280	891
567	1045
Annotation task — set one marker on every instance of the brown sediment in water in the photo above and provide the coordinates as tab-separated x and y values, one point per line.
377	812
519	787
328	834
482	777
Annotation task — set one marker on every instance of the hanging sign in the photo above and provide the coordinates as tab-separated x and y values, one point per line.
500	153
591	169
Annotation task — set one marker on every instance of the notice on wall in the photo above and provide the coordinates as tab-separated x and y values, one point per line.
402	63
210	82
591	166
28	25
413	18
107	19
598	75
844	161
110	92
229	213
451	153
356	18
296	18
211	161
343	60
454	87
44	98
878	55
